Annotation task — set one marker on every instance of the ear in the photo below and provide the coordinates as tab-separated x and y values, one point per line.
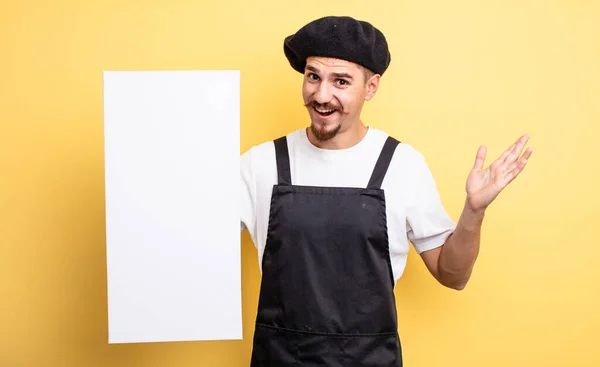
371	86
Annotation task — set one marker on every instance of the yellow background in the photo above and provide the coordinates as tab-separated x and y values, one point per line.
463	73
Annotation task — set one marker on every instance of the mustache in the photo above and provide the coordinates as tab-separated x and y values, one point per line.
324	106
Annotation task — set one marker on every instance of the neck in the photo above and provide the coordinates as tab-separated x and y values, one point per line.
343	140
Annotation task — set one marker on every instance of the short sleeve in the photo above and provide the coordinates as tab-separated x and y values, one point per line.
247	194
428	223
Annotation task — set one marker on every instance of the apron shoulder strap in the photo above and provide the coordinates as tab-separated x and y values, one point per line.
282	157
383	162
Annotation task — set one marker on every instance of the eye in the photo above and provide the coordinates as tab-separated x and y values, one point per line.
313	76
342	82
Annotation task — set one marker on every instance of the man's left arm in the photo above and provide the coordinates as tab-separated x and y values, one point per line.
452	263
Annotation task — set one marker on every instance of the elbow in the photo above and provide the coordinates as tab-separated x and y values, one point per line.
455	284
456	279
458	286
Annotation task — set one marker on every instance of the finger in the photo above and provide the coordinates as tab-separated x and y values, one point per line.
517	149
527	154
517	167
521	160
480	158
505	154
510	177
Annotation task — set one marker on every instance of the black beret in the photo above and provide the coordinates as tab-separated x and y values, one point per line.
340	37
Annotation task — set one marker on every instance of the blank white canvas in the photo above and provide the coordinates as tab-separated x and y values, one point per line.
172	205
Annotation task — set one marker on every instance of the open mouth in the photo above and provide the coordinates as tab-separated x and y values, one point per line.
324	113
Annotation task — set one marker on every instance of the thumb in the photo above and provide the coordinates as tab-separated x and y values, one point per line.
480	158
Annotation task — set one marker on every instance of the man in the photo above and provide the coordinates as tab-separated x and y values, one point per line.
332	208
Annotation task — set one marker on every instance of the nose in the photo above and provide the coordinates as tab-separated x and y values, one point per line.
323	94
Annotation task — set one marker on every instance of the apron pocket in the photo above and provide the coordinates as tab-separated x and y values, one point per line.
321	350
373	351
278	347
274	347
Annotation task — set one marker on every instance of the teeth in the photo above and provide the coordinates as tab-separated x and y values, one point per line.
323	111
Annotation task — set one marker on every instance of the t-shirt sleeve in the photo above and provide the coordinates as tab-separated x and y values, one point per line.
428	223
247	194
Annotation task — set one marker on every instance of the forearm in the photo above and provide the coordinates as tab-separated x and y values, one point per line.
458	255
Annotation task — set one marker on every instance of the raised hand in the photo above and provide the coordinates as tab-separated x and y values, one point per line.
483	186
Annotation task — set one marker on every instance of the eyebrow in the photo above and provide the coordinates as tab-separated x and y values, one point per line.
339	75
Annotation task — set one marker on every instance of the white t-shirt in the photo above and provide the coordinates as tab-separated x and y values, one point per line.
414	210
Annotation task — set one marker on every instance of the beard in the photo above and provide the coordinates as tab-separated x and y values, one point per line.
321	131
323	134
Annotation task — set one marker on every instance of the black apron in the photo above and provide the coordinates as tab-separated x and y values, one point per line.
327	289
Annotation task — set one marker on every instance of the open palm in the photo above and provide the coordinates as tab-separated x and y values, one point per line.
484	185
